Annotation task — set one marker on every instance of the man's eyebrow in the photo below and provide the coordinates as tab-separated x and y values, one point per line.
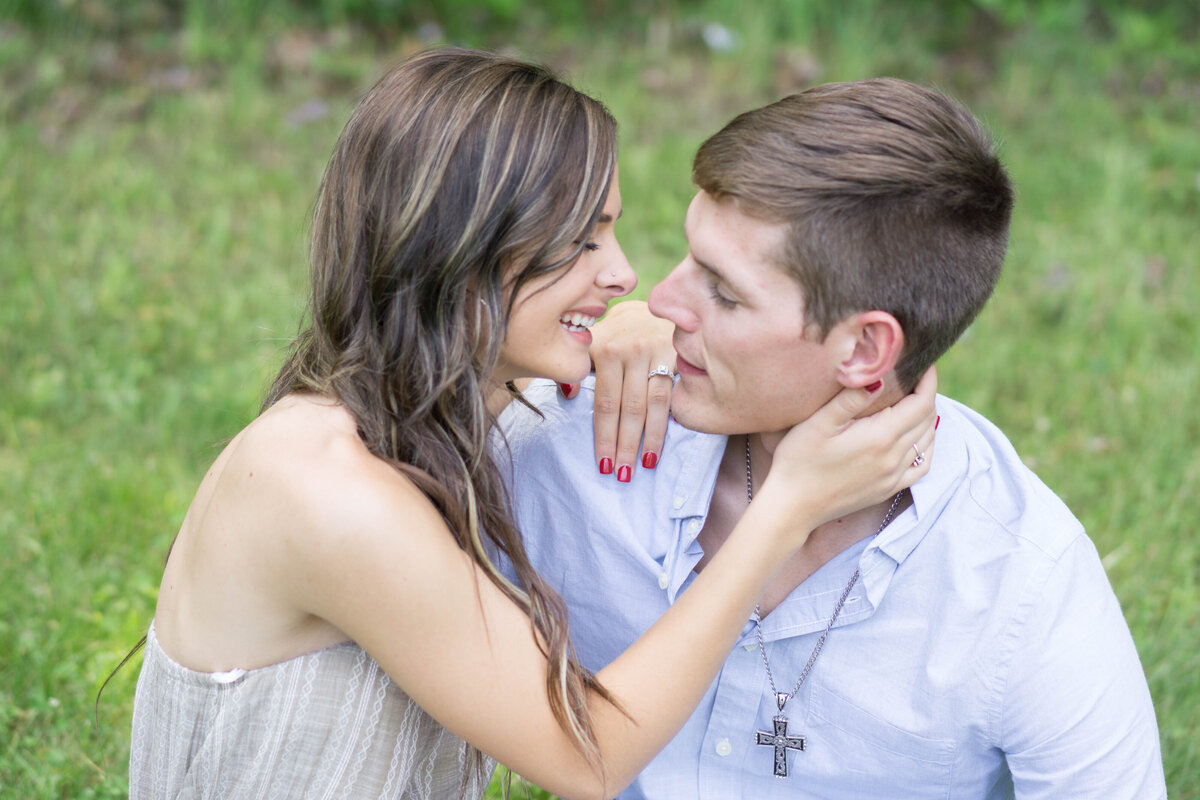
709	268
715	274
704	265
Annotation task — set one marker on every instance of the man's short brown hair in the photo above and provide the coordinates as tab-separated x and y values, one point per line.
894	198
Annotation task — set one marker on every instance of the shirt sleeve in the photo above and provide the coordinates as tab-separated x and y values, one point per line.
1077	718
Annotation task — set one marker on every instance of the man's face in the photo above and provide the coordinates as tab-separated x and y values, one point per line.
745	365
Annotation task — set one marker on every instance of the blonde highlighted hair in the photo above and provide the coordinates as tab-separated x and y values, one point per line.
460	176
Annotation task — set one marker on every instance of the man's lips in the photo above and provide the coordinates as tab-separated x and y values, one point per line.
685	367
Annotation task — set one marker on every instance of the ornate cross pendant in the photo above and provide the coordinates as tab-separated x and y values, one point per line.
781	742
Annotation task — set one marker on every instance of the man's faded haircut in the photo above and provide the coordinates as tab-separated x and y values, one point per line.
894	199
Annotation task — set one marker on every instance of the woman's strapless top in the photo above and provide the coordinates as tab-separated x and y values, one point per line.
327	724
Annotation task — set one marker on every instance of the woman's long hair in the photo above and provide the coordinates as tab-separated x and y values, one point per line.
460	176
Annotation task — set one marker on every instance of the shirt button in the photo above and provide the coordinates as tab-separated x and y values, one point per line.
663	581
748	647
693	526
724	748
679	501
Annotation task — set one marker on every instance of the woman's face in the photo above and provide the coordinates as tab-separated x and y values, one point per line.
548	334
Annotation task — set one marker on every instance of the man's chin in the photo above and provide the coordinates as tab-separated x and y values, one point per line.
688	418
699	419
706	419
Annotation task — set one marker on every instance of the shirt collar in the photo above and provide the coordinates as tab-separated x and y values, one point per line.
696	458
693	486
949	463
691	493
697	476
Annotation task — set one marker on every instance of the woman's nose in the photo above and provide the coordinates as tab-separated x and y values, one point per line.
617	274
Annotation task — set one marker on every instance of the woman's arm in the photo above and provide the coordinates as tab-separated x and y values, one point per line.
418	604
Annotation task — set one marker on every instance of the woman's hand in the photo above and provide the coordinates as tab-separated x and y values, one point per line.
631	406
846	463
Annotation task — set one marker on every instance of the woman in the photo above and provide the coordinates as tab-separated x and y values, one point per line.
330	621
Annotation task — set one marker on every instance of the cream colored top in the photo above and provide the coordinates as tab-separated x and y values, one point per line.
327	724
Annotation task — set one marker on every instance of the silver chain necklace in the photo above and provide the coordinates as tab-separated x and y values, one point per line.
779	738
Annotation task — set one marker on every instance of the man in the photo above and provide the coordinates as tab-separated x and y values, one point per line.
959	641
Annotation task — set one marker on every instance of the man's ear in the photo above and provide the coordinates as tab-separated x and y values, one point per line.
874	340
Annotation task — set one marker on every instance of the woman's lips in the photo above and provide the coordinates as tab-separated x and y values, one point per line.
578	322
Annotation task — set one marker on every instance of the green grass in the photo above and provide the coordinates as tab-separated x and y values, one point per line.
153	215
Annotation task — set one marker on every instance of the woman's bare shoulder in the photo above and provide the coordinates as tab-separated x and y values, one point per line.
282	510
342	518
305	454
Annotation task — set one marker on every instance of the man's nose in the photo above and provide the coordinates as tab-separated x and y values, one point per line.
668	300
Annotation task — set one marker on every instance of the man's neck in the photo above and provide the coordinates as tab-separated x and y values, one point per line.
729	503
848	528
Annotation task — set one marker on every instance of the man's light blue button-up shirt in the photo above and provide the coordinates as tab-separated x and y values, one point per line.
982	654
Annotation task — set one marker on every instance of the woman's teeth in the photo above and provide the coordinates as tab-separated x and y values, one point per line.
577	321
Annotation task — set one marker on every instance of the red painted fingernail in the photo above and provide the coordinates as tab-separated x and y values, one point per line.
565	388
874	387
624	474
649	459
606	466
937	422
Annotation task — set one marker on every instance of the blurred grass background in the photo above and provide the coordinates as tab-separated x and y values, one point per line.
158	162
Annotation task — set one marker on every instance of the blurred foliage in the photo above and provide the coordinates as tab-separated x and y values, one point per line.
1140	24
